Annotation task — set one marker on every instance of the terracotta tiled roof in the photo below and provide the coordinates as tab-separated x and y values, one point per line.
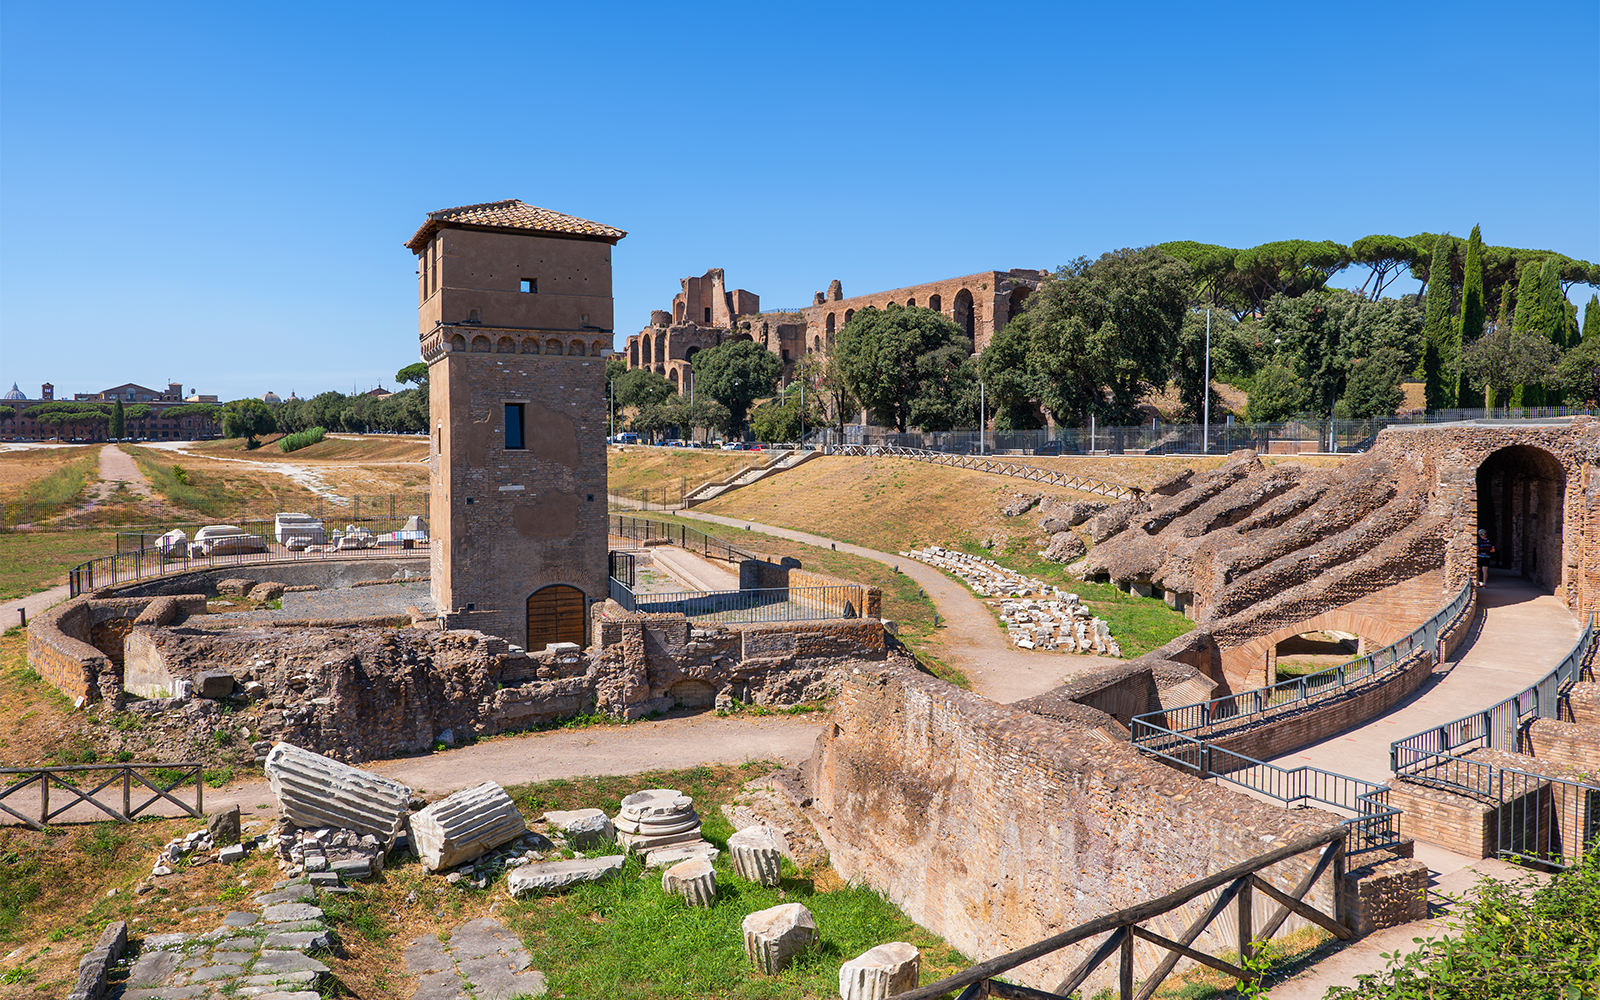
512	214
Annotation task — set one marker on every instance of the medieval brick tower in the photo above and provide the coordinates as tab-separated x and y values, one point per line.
514	316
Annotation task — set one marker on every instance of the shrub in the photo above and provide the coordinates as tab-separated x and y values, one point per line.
301	439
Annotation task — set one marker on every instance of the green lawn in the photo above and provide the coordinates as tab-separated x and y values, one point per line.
35	561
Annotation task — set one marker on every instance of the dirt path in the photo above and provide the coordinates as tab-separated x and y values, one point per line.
970	639
116	467
677	741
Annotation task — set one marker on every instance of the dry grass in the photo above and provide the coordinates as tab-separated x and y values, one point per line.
635	467
25	465
1145	471
31	562
340	448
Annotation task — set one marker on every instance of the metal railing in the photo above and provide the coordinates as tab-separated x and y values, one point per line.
745	607
1309	434
1300	693
396	506
1373	823
1536	817
167	778
643	529
1499	726
995	466
1235	889
149	563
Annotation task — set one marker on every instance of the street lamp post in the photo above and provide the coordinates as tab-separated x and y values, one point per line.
983	420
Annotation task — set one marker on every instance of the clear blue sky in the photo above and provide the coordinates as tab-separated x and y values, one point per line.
217	193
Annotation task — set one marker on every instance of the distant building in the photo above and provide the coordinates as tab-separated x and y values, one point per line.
158	426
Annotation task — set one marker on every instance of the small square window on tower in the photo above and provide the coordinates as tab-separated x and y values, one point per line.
514	425
530	285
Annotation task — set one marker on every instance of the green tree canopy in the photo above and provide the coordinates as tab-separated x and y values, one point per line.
1275	394
822	377
119	421
641	387
1474	313
1439	362
1287	267
889	358
736	373
1372	388
415	373
1387	258
1101	334
1508	358
1012	391
248	419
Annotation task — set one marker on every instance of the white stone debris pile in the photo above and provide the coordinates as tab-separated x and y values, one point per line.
347	853
1064	624
582	829
529	849
881	973
985	576
465	825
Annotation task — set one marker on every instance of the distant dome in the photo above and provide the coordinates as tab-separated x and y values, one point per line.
15	393
271	397
292	397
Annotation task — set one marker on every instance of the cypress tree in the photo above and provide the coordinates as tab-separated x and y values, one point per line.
1438	366
118	422
1529	318
1552	304
1591	318
1472	315
1501	324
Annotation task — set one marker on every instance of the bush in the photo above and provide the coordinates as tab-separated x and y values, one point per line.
301	439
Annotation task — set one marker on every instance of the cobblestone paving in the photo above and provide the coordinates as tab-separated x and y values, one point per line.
262	953
340	602
481	961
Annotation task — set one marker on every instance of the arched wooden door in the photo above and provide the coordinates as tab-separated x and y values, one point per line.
555	614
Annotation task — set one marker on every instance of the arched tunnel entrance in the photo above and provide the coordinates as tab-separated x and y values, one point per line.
1521	492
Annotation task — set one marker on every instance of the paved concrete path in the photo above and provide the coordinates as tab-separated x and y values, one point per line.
34	604
970	640
1521	634
693	571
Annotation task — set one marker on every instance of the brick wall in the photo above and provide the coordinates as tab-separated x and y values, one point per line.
995	828
1456	822
1571	747
61	642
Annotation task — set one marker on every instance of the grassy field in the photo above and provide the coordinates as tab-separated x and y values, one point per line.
635	467
35	561
38	483
217	489
343	448
622	938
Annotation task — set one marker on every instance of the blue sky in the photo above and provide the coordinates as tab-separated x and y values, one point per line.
217	194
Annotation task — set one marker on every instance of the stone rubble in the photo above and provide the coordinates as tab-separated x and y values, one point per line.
317	791
549	876
774	936
986	577
881	972
695	880
583	829
656	817
756	855
465	825
480	959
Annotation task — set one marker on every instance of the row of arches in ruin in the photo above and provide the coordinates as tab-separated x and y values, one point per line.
527	345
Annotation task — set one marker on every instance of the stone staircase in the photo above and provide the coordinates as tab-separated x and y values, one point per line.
783	462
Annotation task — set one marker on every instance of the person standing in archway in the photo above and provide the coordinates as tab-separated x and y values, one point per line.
1485	550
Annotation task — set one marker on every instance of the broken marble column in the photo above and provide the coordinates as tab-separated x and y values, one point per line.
881	972
583	828
315	791
695	880
656	817
756	855
465	825
774	936
552	876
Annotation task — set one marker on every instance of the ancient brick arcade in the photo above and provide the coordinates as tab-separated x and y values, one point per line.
706	312
515	319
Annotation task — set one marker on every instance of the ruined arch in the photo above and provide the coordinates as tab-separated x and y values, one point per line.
458	342
1019	295
935	303
1521	496
911	303
633	351
964	314
827	325
1253	664
597	348
816	343
576	349
672	377
505	345
556	614
480	344
847	314
552	346
530	346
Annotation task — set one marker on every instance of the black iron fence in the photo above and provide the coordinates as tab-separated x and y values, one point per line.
330	509
1161	438
641	529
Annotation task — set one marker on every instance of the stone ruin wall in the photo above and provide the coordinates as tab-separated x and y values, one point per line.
994	827
366	689
1252	552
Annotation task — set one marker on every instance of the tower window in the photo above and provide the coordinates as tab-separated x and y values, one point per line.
530	285
708	314
514	425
